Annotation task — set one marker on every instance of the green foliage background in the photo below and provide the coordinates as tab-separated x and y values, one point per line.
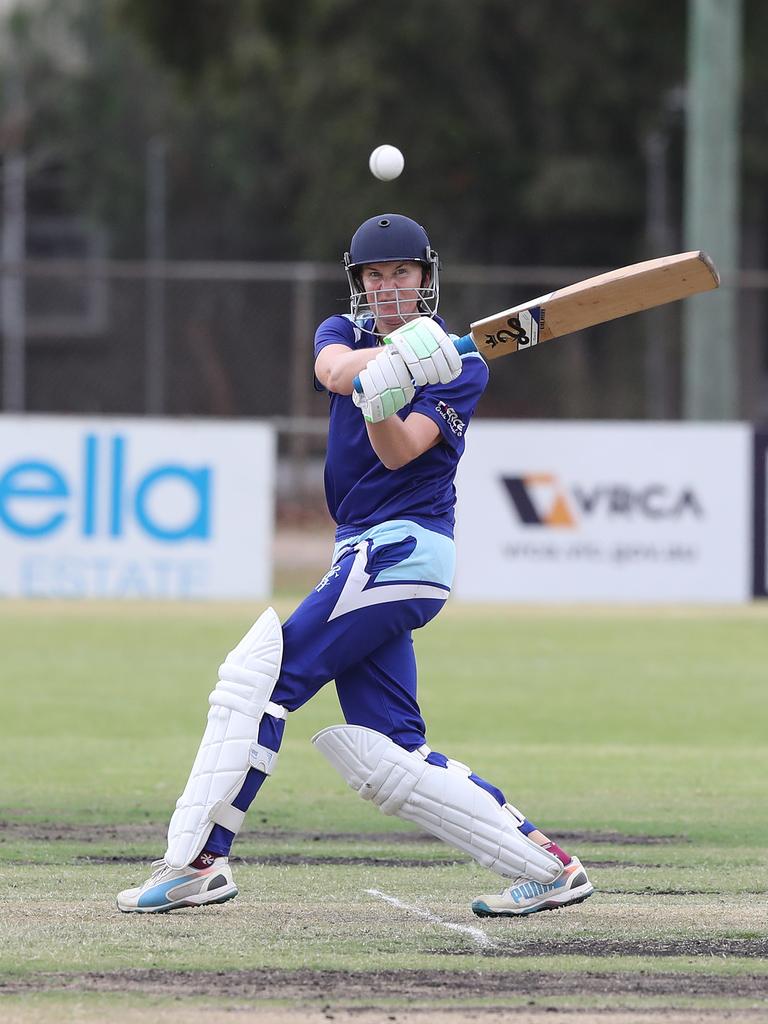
523	125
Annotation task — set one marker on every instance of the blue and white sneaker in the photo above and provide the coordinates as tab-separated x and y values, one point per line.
169	888
528	897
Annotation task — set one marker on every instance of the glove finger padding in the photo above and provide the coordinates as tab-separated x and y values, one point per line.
402	374
444	372
371	408
373	380
421	370
451	355
393	370
427	350
387	387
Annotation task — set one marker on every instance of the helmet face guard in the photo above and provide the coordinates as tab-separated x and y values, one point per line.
391	238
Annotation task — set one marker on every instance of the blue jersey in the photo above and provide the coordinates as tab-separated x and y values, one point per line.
359	490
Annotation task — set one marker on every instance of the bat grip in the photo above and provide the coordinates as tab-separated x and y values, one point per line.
463	345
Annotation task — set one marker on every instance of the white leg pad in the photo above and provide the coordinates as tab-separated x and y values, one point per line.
443	801
230	742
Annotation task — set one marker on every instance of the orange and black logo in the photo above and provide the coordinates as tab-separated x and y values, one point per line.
541	499
552	507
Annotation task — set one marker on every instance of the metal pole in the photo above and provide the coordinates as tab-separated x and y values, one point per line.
658	243
12	286
302	330
711	212
155	339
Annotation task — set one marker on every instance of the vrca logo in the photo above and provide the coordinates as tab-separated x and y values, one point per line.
540	499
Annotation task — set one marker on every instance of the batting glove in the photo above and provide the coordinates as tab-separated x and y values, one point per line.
387	386
429	352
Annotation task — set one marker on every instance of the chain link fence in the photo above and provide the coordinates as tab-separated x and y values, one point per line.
94	336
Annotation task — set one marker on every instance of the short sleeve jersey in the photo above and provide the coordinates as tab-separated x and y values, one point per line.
359	490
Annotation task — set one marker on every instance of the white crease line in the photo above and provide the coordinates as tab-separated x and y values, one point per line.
475	933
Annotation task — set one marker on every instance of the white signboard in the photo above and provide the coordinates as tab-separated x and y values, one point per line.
760	577
607	511
135	508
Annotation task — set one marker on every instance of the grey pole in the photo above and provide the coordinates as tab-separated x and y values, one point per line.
302	329
13	248
658	243
711	207
155	338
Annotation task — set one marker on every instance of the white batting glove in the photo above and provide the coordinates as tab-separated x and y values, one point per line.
429	353
387	386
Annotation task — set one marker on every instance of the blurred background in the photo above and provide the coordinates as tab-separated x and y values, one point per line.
180	182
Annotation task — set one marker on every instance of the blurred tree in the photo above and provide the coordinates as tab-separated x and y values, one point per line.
93	101
522	125
524	128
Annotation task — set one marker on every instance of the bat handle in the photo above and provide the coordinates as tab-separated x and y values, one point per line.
463	345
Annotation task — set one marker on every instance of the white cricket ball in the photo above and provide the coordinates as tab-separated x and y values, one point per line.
386	163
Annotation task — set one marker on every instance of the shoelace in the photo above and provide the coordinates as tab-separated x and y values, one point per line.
159	869
514	882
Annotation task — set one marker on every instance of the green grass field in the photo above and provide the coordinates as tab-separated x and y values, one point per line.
635	736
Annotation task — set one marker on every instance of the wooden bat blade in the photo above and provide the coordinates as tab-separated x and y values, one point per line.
595	301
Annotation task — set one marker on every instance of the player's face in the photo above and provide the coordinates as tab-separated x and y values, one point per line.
392	292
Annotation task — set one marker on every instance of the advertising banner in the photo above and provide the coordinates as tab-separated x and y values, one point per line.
760	526
610	511
135	508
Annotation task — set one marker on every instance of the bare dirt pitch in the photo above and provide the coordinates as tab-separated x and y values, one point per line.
266	984
47	831
159	1014
327	995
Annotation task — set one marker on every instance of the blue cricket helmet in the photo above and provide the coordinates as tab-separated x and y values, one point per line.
391	237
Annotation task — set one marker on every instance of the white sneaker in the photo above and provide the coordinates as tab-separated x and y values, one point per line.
527	896
168	888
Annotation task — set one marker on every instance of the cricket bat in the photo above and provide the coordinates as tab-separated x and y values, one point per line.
594	301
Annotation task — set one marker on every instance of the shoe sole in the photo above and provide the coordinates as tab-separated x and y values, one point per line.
190	902
481	909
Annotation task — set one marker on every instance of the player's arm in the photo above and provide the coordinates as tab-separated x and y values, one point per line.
398	442
337	366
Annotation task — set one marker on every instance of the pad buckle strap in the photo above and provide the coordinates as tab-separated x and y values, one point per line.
227	816
517	815
275	710
262	758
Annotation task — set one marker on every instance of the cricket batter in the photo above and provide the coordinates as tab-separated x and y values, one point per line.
401	398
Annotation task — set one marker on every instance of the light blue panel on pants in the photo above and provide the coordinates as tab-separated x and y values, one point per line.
433	559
